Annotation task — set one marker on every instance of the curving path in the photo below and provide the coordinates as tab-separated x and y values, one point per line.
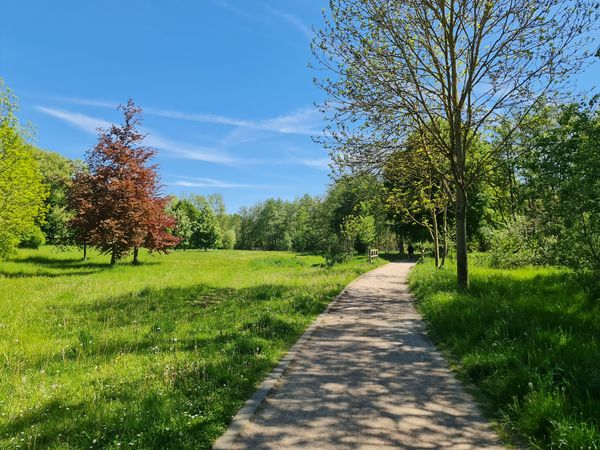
366	378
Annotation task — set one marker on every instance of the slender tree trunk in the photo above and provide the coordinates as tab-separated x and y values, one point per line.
445	225
436	239
113	258
136	259
462	268
85	251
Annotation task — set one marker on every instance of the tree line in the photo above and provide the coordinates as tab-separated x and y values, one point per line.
537	204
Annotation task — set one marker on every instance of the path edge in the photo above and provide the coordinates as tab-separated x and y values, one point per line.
243	416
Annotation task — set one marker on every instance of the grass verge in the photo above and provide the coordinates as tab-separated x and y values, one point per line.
528	341
155	356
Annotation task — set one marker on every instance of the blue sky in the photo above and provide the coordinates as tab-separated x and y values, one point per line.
224	85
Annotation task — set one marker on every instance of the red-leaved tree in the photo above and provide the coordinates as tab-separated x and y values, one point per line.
117	202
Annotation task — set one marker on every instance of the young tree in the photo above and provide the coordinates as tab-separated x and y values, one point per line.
58	172
117	203
419	194
186	215
402	66
81	198
22	192
207	233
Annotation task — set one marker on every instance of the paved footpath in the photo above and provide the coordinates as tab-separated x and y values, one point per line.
368	378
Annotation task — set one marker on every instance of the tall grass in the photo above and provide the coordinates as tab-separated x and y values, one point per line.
528	340
155	356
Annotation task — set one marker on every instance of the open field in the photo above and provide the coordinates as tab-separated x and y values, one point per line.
155	356
527	339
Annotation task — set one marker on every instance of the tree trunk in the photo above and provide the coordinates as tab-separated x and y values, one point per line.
113	258
400	242
84	251
436	239
462	268
136	260
445	251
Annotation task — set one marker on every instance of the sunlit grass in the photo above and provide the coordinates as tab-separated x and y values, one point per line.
528	340
155	356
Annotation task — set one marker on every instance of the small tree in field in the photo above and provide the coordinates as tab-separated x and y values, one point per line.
117	202
207	233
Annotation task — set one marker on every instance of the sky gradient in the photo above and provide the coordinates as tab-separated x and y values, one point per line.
227	96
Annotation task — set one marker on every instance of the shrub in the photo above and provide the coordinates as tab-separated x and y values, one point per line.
520	244
33	239
336	250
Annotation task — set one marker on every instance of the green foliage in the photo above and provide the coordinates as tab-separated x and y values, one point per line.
548	206
520	244
34	238
316	224
161	355
22	192
206	231
58	172
527	339
186	215
228	240
336	249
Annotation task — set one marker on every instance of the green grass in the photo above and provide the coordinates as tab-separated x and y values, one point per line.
527	340
155	356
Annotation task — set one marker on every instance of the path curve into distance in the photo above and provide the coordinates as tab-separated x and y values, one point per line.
366	377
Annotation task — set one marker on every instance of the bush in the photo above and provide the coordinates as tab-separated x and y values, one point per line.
336	250
33	239
520	244
228	240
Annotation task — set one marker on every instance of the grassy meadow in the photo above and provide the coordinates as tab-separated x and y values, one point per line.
527	341
159	355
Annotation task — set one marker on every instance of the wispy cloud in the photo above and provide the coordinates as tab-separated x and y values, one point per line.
91	124
212	183
293	20
82	101
234	9
302	121
81	121
319	163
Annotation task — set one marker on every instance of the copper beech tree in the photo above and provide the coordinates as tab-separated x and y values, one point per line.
117	202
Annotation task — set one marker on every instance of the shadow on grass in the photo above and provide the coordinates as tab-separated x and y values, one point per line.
203	350
528	339
44	274
46	267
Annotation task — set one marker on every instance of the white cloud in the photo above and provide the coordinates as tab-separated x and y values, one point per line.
84	101
320	163
303	121
81	121
294	21
234	9
212	183
91	124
